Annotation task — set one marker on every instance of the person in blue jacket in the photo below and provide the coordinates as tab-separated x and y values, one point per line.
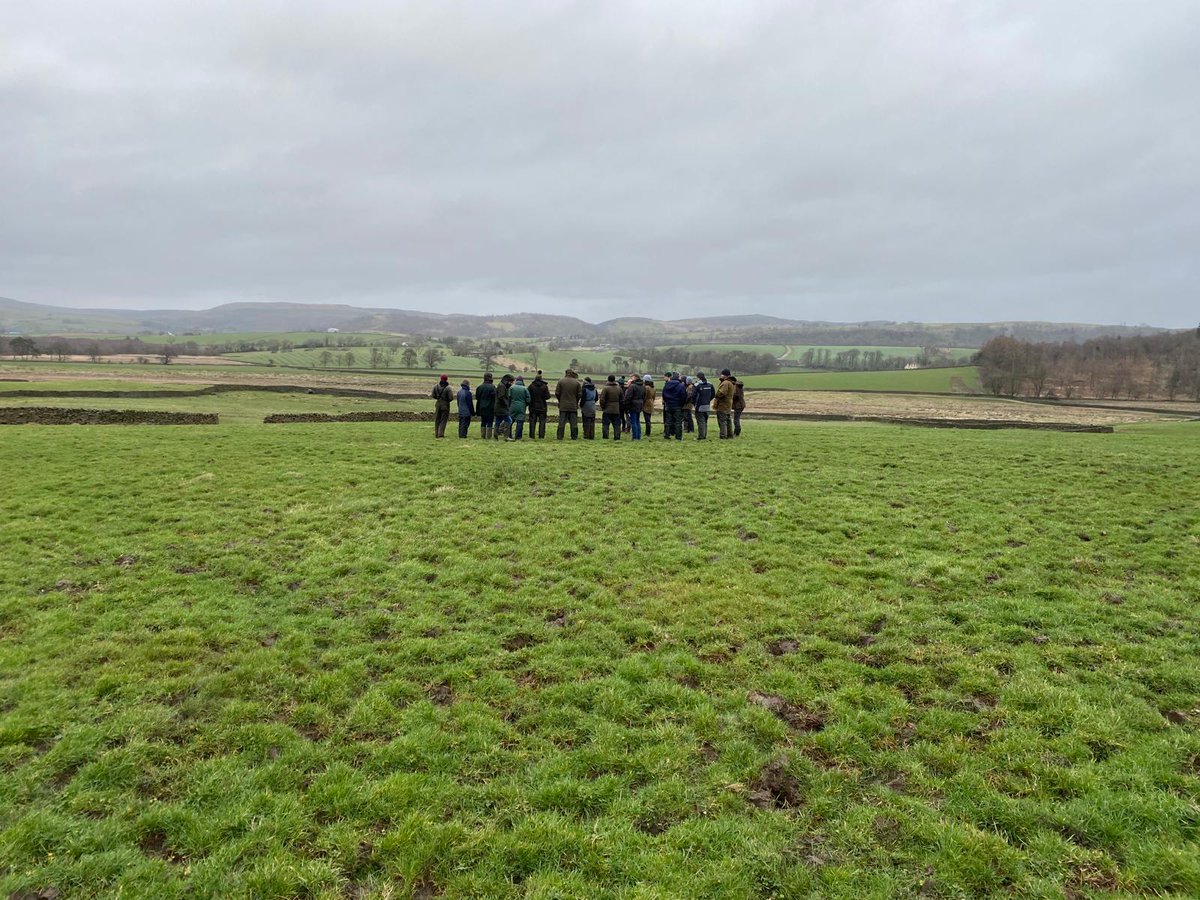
674	395
466	408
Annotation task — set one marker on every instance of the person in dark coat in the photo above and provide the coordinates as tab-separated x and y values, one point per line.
674	394
569	393
588	401
539	406
635	394
442	395
466	408
485	405
702	398
503	419
610	405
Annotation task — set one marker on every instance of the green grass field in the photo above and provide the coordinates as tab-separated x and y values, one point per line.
798	350
924	380
822	661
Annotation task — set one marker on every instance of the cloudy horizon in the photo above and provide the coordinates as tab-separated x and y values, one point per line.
838	162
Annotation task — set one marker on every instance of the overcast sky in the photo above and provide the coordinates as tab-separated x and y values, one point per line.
830	160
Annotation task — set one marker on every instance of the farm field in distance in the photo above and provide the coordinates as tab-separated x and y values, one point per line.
959	379
829	660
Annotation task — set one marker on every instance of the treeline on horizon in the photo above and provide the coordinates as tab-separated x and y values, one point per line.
1157	366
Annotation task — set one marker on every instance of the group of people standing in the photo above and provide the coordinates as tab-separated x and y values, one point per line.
623	405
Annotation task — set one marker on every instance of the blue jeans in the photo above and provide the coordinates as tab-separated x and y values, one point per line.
635	425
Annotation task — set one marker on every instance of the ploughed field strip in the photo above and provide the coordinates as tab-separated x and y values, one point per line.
821	660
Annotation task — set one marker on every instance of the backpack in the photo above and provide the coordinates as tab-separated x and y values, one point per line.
589	393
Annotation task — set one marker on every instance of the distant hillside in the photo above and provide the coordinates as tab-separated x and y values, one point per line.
33	318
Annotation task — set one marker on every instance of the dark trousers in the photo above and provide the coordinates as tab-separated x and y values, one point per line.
485	421
649	417
537	423
701	426
725	424
737	423
464	426
573	417
687	421
613	419
440	418
519	423
673	423
589	428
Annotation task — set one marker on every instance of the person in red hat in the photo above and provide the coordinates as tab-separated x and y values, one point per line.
442	395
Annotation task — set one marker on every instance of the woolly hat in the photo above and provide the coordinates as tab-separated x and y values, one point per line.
521	379
726	372
612	379
445	378
700	375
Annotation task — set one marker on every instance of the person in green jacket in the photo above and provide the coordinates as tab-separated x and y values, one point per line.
518	403
503	419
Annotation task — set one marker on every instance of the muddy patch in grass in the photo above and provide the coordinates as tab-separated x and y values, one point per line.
440	694
519	642
775	788
154	844
783	646
796	716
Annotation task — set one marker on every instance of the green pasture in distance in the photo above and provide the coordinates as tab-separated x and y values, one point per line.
332	661
775	350
207	340
311	359
946	380
234	408
798	350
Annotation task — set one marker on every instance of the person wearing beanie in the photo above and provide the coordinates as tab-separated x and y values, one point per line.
442	395
702	398
539	406
610	401
518	403
466	408
485	405
723	406
648	401
588	399
568	392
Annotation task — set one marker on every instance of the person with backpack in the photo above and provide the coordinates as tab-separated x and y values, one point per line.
648	402
539	406
503	419
568	392
689	385
587	409
634	395
739	404
674	393
610	404
723	405
518	405
485	405
466	408
702	398
442	395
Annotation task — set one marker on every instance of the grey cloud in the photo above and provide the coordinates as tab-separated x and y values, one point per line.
851	160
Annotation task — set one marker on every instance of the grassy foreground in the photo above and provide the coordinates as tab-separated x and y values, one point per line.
829	661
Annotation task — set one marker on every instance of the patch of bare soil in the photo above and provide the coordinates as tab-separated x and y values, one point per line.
936	406
796	716
775	787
